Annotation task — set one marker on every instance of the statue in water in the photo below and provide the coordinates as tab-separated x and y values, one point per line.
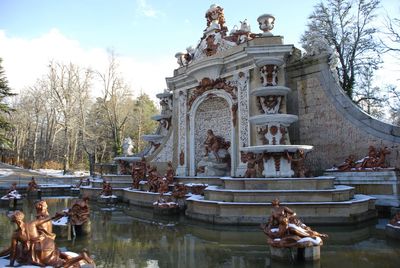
285	230
31	245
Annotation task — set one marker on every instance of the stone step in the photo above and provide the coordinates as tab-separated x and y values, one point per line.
314	183
337	193
116	178
357	209
200	179
114	184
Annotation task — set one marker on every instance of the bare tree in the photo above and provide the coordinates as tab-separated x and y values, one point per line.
346	26
369	97
66	84
115	95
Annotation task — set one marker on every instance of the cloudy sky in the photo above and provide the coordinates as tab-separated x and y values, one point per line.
145	34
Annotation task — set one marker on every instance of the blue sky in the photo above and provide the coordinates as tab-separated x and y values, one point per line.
144	33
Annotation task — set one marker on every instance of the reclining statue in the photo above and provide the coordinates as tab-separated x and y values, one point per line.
30	246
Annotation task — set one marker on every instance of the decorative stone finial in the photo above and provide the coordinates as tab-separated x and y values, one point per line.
266	22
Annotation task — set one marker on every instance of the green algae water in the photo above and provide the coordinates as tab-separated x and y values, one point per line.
126	236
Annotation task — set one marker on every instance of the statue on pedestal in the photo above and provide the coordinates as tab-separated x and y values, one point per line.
107	189
79	216
285	230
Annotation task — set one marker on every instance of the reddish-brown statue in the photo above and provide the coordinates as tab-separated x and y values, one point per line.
107	189
396	220
284	229
79	212
32	186
30	246
180	190
376	159
214	143
170	173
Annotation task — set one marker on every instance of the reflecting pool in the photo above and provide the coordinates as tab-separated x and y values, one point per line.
124	236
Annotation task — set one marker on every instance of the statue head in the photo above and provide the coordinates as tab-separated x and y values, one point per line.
41	206
275	202
215	14
17	216
85	198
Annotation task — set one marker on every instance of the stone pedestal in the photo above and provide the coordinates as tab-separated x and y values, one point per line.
296	254
392	231
383	184
211	166
277	168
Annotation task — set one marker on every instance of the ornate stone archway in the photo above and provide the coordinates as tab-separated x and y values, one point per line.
212	110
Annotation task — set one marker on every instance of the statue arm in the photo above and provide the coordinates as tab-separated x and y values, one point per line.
289	212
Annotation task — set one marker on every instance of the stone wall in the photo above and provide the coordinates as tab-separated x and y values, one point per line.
330	121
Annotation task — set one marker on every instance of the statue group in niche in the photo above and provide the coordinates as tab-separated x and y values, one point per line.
213	144
32	243
285	230
376	159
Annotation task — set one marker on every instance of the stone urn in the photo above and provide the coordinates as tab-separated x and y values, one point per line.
266	22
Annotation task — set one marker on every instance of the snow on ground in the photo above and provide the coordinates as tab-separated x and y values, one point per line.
4	172
59	173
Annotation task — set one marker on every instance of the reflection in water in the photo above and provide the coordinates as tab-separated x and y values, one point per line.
125	236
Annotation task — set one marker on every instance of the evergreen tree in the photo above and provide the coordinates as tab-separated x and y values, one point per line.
5	109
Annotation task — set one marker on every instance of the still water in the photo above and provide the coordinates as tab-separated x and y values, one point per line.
124	236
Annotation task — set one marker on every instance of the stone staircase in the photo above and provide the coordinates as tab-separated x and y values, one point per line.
242	201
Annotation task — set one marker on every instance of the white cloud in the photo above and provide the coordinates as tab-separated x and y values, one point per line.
26	60
146	9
